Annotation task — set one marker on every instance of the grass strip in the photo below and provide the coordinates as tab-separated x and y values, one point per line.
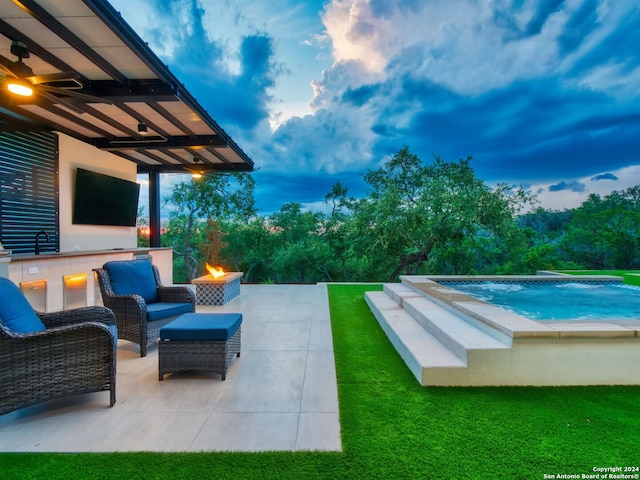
630	277
394	428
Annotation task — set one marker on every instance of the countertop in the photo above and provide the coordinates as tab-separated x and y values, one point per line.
80	253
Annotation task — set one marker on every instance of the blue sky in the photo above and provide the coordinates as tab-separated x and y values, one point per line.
542	93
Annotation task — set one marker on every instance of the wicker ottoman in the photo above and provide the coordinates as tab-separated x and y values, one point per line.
199	341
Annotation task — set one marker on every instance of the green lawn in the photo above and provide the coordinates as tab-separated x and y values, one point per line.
631	277
393	428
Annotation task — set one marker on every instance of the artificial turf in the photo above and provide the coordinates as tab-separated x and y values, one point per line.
630	277
392	428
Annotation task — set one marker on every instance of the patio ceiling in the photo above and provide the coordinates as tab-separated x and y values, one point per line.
108	60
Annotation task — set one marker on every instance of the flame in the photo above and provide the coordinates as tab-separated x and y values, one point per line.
215	271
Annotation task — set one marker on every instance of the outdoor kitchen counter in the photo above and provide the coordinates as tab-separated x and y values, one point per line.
80	253
29	269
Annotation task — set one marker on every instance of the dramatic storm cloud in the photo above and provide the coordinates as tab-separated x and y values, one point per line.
541	93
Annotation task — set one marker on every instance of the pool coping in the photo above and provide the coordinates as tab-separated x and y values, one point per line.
512	325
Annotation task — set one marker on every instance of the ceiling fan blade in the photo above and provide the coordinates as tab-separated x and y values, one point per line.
56	77
54	99
70	93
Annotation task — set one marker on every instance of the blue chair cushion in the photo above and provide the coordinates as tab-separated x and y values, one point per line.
15	310
114	330
158	311
133	277
202	326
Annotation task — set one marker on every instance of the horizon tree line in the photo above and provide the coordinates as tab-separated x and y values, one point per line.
415	218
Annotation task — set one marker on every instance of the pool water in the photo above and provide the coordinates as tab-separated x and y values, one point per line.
558	300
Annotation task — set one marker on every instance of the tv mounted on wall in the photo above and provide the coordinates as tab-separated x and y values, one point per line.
104	200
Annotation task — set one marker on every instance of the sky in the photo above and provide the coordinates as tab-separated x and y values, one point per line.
544	94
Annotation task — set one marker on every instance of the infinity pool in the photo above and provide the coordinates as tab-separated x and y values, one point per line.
570	300
566	300
544	329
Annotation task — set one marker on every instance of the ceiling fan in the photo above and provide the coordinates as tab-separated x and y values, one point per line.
21	81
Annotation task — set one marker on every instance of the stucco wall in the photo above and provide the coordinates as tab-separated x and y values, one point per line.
74	154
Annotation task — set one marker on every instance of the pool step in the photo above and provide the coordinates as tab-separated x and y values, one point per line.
449	339
439	347
418	348
456	333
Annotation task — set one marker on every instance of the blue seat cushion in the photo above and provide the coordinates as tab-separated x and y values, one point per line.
202	326
159	310
114	330
15	310
133	277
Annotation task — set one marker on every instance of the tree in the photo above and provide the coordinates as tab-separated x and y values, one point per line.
299	254
249	248
342	264
604	233
216	195
547	224
413	208
142	228
214	244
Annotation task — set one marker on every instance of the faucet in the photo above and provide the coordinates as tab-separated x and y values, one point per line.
46	235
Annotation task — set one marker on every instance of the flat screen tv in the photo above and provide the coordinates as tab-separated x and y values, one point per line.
104	200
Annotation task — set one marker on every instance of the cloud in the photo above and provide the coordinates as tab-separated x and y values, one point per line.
472	47
543	92
330	141
307	189
604	176
545	8
560	199
359	96
580	24
464	84
235	84
573	186
446	77
456	41
243	99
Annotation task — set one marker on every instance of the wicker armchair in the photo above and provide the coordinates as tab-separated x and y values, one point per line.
71	352
139	316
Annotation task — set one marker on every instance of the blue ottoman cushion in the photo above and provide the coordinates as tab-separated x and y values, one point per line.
202	326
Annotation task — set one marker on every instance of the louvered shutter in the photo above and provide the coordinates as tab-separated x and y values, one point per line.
28	190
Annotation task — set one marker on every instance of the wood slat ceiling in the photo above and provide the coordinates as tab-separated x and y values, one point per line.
132	85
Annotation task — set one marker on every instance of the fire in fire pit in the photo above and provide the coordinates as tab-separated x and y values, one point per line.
216	272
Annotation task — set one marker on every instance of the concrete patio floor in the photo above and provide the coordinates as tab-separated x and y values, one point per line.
281	394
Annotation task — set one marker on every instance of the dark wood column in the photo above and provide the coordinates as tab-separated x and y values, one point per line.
154	209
